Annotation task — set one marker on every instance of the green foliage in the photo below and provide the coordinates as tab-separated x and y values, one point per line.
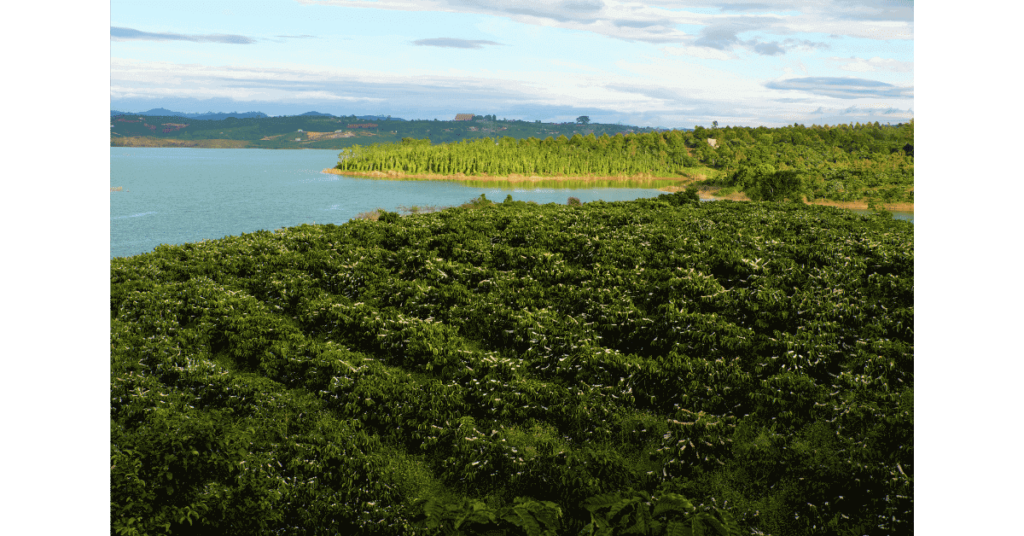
388	217
840	163
481	202
777	186
529	368
875	205
660	154
414	141
689	196
574	202
748	176
523	517
664	513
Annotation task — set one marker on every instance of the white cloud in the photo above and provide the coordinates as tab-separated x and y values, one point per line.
657	21
705	53
578	66
862	65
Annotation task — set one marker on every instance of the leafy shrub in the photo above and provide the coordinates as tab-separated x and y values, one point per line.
574	202
633	512
690	196
478	202
749	176
472	517
875	205
765	185
389	217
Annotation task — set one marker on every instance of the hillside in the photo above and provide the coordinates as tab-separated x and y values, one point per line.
293	132
661	365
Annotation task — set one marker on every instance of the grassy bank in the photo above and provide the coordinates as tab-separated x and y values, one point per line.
661	362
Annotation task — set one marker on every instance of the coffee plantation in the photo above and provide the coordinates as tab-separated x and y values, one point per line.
659	366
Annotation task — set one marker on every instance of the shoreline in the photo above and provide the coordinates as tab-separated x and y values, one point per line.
707	194
512	177
213	143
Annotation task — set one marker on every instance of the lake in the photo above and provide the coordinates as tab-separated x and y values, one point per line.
178	195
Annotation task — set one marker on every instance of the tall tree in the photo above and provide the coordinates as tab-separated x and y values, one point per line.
583	119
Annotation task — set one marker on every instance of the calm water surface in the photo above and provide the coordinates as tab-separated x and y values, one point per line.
179	195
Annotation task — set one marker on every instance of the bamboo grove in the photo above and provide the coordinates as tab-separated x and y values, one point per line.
840	163
658	366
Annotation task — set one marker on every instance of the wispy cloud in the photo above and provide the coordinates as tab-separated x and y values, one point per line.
129	34
656	21
451	42
843	88
706	53
297	36
874	64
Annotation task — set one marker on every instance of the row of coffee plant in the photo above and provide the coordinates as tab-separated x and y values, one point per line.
658	366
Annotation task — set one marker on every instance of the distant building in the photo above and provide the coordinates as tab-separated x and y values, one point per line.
463	117
713	142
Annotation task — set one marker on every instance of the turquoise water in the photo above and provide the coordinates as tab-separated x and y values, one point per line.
179	195
899	215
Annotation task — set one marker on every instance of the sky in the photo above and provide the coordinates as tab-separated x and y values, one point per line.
660	63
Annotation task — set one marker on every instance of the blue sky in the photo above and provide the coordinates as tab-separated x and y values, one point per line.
655	63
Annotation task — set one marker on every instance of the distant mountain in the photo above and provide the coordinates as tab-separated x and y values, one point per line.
378	118
210	116
218	116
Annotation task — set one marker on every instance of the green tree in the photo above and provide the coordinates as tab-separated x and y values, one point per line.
777	186
877	208
583	119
